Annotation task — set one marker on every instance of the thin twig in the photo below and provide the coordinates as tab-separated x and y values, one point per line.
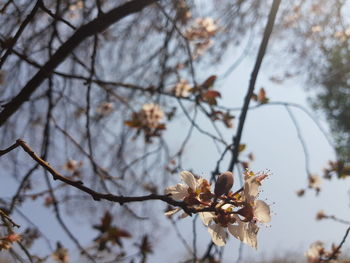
302	141
97	25
110	197
4	215
335	252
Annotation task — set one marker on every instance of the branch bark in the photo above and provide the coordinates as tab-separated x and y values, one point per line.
100	196
253	78
96	26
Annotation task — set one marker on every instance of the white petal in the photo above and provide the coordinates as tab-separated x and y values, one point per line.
251	188
206	217
235	230
171	212
178	192
245	232
218	234
262	211
189	179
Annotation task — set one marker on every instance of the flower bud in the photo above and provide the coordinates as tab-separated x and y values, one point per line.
223	183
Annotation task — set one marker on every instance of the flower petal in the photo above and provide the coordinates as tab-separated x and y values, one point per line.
172	212
189	179
251	188
218	234
178	192
262	211
206	217
245	232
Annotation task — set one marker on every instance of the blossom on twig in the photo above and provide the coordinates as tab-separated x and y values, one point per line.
239	213
148	119
182	88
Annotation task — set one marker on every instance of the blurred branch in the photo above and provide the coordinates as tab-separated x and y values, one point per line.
339	220
97	25
110	197
13	41
48	11
336	251
301	139
4	215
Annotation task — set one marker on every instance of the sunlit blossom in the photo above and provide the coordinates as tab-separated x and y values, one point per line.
151	114
217	224
224	212
193	191
182	88
246	232
314	253
202	28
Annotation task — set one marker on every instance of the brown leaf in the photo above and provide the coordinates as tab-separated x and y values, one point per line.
132	123
262	96
106	220
209	82
210	96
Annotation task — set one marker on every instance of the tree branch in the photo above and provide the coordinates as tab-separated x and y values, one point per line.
99	196
97	25
253	78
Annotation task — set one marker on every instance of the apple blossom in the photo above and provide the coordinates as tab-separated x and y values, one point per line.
217	223
151	115
194	191
182	88
223	212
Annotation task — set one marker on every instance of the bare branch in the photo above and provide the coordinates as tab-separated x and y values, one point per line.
254	75
97	25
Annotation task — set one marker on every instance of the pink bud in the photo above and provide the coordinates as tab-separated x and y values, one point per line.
223	183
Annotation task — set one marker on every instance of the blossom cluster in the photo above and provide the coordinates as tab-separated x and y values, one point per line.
202	28
182	88
7	241
148	119
239	213
318	254
201	32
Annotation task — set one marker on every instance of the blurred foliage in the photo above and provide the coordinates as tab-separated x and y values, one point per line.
333	96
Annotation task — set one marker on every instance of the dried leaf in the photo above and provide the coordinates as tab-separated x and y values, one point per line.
209	82
241	147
